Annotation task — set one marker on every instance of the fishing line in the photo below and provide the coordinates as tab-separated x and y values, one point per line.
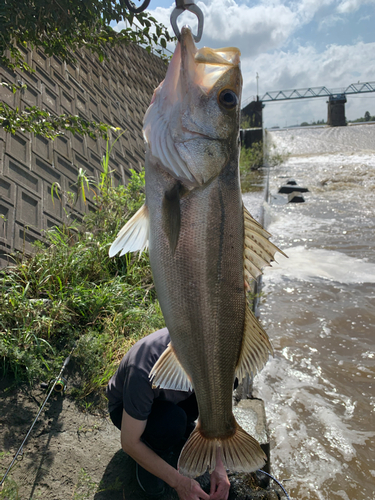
276	481
59	385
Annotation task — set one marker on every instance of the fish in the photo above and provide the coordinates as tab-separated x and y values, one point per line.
204	249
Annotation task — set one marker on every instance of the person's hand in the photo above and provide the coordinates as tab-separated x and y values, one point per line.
219	482
188	489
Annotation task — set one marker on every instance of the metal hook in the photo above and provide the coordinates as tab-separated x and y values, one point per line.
133	8
181	6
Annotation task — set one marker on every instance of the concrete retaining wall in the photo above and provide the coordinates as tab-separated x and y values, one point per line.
117	92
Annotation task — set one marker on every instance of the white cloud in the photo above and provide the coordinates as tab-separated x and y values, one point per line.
254	29
336	68
330	21
268	34
348	6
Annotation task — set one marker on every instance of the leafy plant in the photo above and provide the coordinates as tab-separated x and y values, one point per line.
251	158
9	490
70	291
251	162
44	123
60	29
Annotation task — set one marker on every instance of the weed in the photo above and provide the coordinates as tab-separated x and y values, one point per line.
116	486
9	490
85	487
252	160
247	122
71	291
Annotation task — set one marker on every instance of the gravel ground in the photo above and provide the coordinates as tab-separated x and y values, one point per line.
76	455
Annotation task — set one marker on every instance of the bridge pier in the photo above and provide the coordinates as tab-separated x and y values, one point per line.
336	110
253	132
253	112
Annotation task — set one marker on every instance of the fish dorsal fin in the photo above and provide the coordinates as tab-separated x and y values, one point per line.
134	235
168	373
258	251
256	347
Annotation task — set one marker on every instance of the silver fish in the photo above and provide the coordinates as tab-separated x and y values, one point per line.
204	246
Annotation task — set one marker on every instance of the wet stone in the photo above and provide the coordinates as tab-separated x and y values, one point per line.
292	188
295	198
249	487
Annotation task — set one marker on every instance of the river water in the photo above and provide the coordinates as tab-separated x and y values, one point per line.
318	307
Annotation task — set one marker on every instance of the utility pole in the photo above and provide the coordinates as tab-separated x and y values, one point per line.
257	87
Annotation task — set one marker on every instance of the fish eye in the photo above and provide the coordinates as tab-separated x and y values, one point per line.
228	99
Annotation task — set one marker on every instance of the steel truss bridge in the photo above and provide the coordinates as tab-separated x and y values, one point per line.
285	95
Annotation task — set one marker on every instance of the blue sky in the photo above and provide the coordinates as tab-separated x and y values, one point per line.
292	44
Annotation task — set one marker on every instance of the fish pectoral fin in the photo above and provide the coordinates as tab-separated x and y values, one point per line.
134	235
258	251
168	373
239	452
172	215
256	347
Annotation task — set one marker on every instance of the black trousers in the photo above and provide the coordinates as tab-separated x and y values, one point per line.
167	423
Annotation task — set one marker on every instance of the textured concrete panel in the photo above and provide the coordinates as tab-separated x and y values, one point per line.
18	145
45	170
52	206
63	146
29	209
42	146
79	144
20	174
41	59
7	190
65	166
50	99
24	237
6	223
67	101
30	96
7	95
2	150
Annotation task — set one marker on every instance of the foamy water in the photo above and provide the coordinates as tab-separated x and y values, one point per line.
318	307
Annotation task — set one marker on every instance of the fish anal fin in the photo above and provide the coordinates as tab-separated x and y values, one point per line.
134	235
256	347
168	373
239	452
172	215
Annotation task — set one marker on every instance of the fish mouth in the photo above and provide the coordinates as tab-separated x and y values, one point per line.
190	135
205	66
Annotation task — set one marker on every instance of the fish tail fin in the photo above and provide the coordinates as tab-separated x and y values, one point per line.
239	452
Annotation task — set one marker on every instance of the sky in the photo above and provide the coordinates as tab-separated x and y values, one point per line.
291	44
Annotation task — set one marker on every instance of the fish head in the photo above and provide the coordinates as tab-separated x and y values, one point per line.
192	124
211	87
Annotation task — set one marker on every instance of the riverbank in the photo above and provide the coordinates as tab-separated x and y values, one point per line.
75	455
72	453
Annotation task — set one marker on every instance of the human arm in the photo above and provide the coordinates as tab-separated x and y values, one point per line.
131	432
219	481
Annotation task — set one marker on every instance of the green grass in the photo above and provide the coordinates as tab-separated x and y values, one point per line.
70	292
9	490
251	158
251	162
